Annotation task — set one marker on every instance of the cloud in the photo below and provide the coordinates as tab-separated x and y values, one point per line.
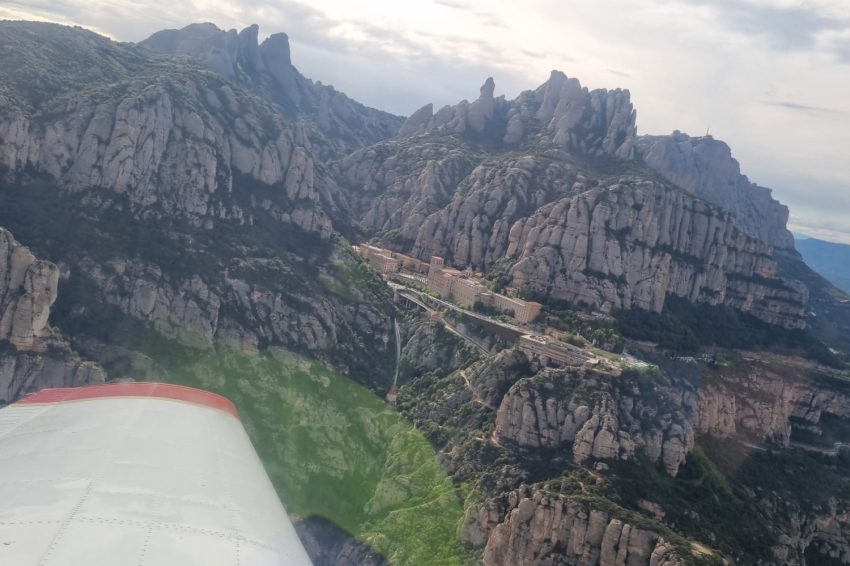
488	19
802	107
787	27
454	4
619	73
801	226
842	51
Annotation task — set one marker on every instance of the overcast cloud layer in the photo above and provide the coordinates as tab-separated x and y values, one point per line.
770	77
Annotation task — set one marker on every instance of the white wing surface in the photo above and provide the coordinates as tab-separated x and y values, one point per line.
136	474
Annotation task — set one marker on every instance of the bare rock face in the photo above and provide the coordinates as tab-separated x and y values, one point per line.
217	51
33	357
267	69
418	121
704	167
535	528
597	123
398	188
632	243
429	346
176	150
759	403
193	312
493	377
827	532
28	288
595	416
562	233
627	245
171	155
24	373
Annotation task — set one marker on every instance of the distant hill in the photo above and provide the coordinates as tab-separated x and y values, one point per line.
827	258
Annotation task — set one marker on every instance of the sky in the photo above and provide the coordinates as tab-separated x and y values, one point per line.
769	77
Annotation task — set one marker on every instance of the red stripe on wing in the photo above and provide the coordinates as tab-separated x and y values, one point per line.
151	390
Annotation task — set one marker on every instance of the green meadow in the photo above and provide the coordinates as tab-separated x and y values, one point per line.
334	449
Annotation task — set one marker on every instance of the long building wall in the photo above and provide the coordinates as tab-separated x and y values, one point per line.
448	283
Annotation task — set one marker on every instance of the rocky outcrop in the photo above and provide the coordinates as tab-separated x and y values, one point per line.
23	372
493	377
537	528
632	243
428	346
704	167
824	535
163	147
173	155
241	309
267	69
32	357
562	233
758	403
626	245
28	288
395	188
596	416
595	122
598	122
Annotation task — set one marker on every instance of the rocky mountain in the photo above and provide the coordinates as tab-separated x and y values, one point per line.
533	528
32	354
593	466
179	199
606	234
705	168
597	122
267	69
183	210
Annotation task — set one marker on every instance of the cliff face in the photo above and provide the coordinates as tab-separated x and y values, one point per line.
633	243
599	416
595	122
267	69
542	190
760	401
173	149
595	416
27	290
211	210
428	346
563	233
32	357
535	528
704	167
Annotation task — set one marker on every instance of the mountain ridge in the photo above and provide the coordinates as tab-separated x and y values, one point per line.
189	205
830	259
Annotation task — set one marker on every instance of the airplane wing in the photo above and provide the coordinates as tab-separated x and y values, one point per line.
136	474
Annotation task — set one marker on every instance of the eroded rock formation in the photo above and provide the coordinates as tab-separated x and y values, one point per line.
595	416
267	69
32	357
598	122
601	416
704	167
536	528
